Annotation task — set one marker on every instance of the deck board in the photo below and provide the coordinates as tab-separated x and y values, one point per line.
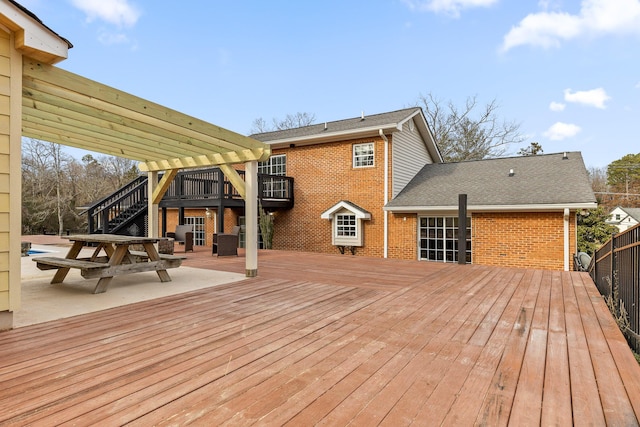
332	340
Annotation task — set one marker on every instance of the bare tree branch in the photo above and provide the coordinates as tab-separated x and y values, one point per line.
462	135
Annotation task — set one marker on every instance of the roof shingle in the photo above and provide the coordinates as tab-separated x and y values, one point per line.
548	179
376	120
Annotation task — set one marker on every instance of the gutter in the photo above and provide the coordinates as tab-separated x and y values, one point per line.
566	239
494	208
331	136
385	245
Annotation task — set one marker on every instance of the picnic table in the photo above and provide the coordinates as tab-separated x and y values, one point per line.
119	258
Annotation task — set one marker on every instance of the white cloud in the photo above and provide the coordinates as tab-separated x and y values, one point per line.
560	131
117	12
108	38
596	18
450	7
594	97
557	106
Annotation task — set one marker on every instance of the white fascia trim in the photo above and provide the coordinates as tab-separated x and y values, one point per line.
36	36
494	208
333	136
402	122
328	214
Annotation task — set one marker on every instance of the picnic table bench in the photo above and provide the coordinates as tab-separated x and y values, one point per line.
118	259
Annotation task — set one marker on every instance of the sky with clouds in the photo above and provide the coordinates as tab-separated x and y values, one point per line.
567	71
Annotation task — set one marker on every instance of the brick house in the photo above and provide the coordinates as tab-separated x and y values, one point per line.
522	210
376	185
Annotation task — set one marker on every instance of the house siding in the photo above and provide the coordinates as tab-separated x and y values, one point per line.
10	176
526	239
408	154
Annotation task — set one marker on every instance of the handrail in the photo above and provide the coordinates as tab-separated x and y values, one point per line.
200	185
615	269
135	181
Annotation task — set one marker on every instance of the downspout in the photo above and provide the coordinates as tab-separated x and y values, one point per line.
386	193
566	239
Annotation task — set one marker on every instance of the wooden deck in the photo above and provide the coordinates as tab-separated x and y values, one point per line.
334	340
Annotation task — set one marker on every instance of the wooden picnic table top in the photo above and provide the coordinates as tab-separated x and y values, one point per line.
111	238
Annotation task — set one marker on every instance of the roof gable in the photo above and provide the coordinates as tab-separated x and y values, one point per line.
525	182
632	212
351	207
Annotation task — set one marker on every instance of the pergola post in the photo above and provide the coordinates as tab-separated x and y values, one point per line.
251	215
152	210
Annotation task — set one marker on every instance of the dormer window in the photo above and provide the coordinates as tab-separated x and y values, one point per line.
346	224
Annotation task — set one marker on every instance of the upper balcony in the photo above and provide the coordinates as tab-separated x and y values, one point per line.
209	188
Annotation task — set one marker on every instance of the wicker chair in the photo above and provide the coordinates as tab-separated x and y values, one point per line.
225	244
184	236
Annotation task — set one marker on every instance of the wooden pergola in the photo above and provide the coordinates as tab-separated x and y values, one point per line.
40	100
62	107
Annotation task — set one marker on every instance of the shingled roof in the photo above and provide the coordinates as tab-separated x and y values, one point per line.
357	127
548	181
376	121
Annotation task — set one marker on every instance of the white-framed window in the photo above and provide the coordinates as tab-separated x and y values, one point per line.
363	155
274	187
275	165
346	225
198	229
438	239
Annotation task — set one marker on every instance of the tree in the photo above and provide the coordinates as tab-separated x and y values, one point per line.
55	185
532	150
46	184
593	231
462	136
291	121
623	177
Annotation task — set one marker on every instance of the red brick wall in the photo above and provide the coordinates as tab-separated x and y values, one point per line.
403	238
324	175
531	240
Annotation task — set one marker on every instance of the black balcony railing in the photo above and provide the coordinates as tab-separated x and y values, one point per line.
126	208
615	269
200	187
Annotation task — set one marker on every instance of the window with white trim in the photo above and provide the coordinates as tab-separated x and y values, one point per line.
346	225
198	229
439	239
363	155
275	165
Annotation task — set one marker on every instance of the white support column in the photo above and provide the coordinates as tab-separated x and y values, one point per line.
152	209
251	215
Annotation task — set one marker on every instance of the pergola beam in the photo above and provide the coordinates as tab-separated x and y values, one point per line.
62	107
75	92
163	186
205	160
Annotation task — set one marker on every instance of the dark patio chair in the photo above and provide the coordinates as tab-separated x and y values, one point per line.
225	244
184	236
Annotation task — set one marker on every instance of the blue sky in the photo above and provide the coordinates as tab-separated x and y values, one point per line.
567	71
